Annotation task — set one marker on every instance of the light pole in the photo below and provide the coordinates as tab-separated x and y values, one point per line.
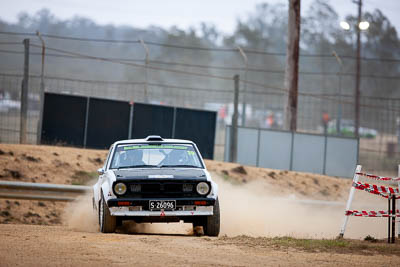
361	26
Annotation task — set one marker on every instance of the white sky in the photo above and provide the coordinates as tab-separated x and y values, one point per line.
166	13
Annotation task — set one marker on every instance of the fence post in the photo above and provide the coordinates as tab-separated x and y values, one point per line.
40	122
325	152
130	119
246	61
146	100
258	148
349	201
234	132
291	151
24	95
173	123
86	122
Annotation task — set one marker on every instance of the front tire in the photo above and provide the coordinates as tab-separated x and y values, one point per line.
107	222
211	225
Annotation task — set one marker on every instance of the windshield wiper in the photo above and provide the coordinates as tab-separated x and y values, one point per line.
137	166
179	166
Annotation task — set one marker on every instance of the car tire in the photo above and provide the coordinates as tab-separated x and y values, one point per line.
107	222
211	225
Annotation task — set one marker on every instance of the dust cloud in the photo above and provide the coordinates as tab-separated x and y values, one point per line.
249	209
157	228
80	216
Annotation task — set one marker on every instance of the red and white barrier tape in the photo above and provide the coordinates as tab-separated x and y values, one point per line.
364	213
375	177
383	191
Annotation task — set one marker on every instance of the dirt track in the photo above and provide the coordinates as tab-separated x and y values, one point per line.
33	245
267	208
66	165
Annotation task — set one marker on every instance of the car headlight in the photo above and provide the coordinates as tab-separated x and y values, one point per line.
120	188
202	188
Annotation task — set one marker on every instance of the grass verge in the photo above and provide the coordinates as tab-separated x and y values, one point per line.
343	246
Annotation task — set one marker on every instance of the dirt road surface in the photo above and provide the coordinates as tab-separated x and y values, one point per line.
257	206
35	245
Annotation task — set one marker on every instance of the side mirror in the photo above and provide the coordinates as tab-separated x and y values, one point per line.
100	171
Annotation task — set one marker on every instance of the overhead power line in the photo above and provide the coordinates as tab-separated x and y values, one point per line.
203	75
70	38
169	63
11	43
159	68
134	64
74	79
199	48
63	55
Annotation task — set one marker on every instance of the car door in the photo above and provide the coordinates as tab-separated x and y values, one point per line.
97	186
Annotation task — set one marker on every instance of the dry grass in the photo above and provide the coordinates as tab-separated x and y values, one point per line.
341	246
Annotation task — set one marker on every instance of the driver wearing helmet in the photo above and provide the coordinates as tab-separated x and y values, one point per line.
179	157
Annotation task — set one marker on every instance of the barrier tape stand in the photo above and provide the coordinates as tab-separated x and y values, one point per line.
393	218
392	194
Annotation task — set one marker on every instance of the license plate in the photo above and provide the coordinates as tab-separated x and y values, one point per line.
162	204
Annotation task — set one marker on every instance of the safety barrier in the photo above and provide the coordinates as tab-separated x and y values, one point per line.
390	193
380	213
38	191
375	177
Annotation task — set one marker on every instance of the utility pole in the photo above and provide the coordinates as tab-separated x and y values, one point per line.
24	96
358	71
234	129
40	122
292	65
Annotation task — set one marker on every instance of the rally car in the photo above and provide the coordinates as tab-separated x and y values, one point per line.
156	180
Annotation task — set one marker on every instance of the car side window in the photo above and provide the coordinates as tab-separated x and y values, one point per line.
108	158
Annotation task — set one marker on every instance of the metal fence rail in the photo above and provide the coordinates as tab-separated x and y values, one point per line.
38	191
60	192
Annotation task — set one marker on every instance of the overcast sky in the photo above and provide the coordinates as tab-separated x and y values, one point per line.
166	13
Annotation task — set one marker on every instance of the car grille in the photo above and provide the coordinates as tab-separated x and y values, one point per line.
161	189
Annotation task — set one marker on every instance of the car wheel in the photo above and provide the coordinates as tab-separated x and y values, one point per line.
211	224
107	222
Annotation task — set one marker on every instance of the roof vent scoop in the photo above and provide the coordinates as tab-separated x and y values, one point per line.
154	138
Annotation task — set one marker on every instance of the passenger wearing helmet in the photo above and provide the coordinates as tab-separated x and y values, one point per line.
132	158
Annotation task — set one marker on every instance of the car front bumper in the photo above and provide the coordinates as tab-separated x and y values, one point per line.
140	207
125	211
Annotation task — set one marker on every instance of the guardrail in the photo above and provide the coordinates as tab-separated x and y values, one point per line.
39	191
60	192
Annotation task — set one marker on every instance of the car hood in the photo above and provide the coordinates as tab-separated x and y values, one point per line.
166	173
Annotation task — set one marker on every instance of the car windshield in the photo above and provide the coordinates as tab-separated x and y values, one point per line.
155	155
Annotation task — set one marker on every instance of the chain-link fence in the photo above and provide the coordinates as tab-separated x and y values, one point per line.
326	99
